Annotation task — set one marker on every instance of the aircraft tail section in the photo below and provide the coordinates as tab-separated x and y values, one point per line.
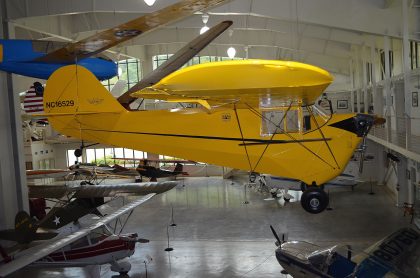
25	230
74	90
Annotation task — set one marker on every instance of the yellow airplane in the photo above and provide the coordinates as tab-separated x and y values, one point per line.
256	115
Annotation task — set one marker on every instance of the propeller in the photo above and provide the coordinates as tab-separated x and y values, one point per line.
275	234
283	237
366	125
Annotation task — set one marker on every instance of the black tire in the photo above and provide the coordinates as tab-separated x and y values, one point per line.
314	200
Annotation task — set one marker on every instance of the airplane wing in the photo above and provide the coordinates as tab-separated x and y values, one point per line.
253	82
33	254
176	61
50	173
121	33
97	191
398	254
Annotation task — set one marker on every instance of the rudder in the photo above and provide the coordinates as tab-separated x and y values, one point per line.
75	90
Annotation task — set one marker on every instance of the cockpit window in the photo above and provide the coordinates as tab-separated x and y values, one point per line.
280	120
99	234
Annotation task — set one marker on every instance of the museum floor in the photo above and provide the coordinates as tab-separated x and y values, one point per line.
218	235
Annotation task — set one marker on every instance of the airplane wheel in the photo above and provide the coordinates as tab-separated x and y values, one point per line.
314	200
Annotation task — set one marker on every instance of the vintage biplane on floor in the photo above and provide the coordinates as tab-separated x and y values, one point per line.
256	115
75	232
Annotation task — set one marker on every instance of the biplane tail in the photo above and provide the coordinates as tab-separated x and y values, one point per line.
25	230
74	90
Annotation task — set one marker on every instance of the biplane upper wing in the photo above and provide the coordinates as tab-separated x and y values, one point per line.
242	81
98	191
33	254
121	33
50	173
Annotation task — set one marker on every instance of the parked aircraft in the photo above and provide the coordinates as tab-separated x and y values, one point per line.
40	59
151	172
256	115
397	255
65	229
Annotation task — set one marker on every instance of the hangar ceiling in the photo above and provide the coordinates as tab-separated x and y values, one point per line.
320	32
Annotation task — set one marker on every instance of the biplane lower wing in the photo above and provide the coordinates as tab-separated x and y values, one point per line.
99	191
33	254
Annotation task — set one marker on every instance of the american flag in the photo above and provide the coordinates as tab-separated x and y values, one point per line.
33	102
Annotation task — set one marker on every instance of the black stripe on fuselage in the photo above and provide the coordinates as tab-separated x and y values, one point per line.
253	141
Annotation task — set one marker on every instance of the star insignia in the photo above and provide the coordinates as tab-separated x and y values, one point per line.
56	220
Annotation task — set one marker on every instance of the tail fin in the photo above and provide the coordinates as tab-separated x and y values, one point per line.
74	90
25	230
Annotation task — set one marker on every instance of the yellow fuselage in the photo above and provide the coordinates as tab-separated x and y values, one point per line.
78	105
215	138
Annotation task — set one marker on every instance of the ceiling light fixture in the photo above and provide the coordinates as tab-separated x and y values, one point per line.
205	19
231	52
150	2
204	29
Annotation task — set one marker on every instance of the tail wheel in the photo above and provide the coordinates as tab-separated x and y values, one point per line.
314	200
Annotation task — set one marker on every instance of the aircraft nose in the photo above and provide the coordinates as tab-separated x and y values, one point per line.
360	124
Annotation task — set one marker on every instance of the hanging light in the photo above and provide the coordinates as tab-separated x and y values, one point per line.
149	2
205	19
204	29
231	52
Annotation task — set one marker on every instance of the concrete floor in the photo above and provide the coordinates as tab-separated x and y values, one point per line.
217	235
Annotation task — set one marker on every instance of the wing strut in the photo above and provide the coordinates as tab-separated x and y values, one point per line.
242	136
258	114
322	134
274	133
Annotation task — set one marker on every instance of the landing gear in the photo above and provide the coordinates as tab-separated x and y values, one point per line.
122	267
314	200
304	186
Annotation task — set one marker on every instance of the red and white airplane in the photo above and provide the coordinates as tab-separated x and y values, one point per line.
78	244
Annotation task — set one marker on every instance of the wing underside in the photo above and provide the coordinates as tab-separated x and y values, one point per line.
121	33
98	191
